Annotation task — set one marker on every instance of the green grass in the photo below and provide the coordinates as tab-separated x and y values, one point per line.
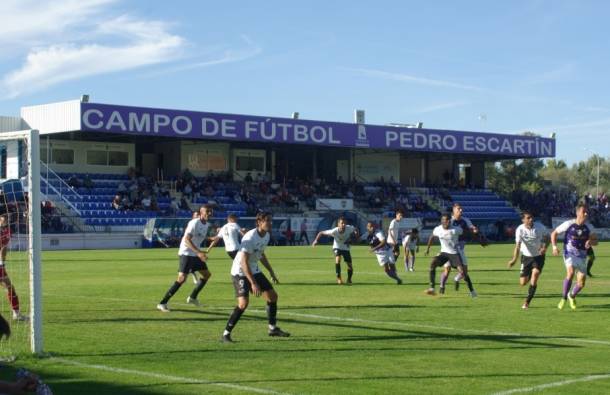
372	337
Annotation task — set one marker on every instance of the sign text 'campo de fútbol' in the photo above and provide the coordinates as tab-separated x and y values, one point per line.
205	125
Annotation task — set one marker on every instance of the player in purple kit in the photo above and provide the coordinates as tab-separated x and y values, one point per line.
577	240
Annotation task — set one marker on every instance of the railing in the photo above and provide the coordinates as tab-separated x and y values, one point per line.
63	191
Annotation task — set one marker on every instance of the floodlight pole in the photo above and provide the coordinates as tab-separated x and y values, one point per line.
597	179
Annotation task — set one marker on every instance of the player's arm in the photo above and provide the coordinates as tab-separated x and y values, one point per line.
381	244
356	235
215	241
430	240
556	232
3	252
267	266
546	240
479	235
245	268
320	234
243	231
515	254
591	241
188	240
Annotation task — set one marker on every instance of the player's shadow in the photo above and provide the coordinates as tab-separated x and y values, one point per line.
204	316
355	306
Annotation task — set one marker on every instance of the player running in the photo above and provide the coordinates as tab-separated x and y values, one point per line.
577	240
230	234
342	235
5	280
248	278
380	248
192	258
409	244
532	239
467	229
393	232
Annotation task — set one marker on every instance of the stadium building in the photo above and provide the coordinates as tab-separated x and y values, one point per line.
104	145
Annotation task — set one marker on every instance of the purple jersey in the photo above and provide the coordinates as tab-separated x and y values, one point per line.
575	239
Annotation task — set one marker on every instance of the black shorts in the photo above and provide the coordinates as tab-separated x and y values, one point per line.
232	254
454	259
243	287
396	249
191	264
529	263
347	256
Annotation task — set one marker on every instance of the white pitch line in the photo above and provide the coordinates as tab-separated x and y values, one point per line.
166	376
552	385
376	322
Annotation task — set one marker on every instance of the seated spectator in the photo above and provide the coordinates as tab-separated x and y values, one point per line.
88	182
121	188
74	182
117	202
146	202
248	178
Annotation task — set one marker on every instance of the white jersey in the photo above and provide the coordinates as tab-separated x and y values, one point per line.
198	231
410	242
448	238
531	239
393	230
340	239
230	236
253	244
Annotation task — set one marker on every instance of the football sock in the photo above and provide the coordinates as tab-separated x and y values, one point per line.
235	316
443	279
432	275
12	297
530	293
338	269
272	313
412	261
391	273
576	290
350	272
468	282
200	284
170	292
567	284
590	265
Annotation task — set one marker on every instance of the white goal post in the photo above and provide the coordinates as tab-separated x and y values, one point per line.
32	139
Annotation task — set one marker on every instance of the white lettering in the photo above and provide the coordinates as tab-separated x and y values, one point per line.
496	145
300	133
506	147
480	143
204	127
160	120
116	120
312	134
227	128
529	146
187	123
390	136
139	125
331	138
449	142
250	128
406	139
420	141
546	148
264	134
284	127
435	140
519	147
87	121
468	143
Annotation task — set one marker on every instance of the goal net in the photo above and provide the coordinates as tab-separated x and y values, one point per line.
20	243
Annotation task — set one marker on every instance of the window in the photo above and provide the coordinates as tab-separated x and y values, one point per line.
250	163
118	158
62	156
97	158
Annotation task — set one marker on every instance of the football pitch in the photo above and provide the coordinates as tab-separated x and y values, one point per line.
105	336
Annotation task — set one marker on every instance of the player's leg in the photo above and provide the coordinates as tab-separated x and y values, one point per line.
581	278
390	269
242	290
407	261
437	261
338	266
412	257
204	276
460	275
463	269
445	276
590	261
347	258
271	298
11	294
567	283
183	270
396	251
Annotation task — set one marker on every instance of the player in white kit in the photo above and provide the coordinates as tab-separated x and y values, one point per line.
381	249
532	240
342	236
248	278
394	232
192	258
409	244
230	234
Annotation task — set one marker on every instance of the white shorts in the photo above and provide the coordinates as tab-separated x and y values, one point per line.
462	256
579	264
382	259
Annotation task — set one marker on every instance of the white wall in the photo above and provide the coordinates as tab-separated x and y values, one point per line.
53	118
82	241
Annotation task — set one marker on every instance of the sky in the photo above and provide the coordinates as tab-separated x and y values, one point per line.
506	67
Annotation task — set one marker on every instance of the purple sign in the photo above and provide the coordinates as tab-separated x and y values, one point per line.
232	127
